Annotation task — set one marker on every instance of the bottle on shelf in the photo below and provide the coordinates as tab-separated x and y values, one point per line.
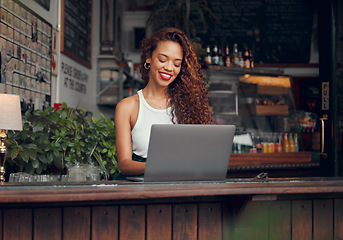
221	57
273	142
312	129
246	59
240	60
253	148
227	60
285	143
258	143
208	58
235	59
278	143
215	56
265	143
251	59
291	143
296	142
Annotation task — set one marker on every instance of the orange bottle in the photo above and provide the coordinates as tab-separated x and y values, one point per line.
285	143
278	143
291	143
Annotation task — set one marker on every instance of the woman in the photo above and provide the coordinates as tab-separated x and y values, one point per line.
174	93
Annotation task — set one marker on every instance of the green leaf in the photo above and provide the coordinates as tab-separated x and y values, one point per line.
64	114
14	153
35	163
49	158
26	126
42	158
39	170
33	154
56	152
101	163
30	146
40	126
95	120
25	156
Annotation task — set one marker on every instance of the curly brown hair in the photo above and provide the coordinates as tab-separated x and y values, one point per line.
188	93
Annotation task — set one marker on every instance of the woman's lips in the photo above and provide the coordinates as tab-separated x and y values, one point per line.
165	76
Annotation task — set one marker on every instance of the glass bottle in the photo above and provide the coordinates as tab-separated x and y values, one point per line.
291	143
208	58
251	59
240	60
253	148
246	59
235	59
227	60
296	143
215	57
221	57
258	143
285	143
278	143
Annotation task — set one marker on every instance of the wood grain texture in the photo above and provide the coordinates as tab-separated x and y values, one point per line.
105	222
47	223
17	224
338	221
159	222
280	220
132	222
322	219
76	223
185	221
302	219
210	221
115	191
269	158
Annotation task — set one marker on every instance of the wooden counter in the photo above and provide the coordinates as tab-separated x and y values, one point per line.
122	191
307	208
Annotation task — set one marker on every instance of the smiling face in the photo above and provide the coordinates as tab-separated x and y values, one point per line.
165	63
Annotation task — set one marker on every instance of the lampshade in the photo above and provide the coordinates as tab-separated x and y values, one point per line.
10	112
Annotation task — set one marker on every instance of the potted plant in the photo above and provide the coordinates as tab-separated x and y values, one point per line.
52	139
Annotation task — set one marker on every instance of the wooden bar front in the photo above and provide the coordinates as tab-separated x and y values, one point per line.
237	209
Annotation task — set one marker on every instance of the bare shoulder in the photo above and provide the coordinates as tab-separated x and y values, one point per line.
127	110
128	104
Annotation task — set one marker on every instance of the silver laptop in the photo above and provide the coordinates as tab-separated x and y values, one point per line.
188	152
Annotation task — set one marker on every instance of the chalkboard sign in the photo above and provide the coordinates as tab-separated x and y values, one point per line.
76	30
278	31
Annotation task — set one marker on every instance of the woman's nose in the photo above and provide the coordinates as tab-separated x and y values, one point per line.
168	66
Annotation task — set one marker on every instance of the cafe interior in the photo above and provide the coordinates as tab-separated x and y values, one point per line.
273	69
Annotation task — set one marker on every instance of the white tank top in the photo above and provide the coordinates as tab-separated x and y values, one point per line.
147	116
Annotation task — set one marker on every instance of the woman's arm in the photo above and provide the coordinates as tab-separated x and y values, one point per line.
125	116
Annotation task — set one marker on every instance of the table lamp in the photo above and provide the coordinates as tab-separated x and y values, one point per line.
10	119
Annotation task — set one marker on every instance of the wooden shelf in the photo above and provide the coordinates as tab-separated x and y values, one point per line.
263	110
269	158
